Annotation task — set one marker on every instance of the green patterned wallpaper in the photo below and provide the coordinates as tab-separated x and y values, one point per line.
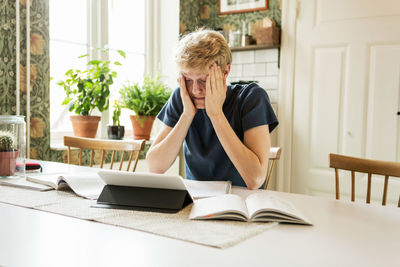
197	13
39	77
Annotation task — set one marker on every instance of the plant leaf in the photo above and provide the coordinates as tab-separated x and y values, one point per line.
122	53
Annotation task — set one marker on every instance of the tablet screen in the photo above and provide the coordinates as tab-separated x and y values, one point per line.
142	179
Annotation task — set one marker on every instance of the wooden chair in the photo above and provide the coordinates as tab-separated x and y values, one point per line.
104	145
376	167
274	155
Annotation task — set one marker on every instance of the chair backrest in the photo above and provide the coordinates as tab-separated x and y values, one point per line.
104	145
274	155
376	167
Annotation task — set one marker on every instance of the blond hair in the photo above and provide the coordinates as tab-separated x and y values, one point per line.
202	48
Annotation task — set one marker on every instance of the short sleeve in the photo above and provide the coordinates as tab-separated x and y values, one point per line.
256	109
172	110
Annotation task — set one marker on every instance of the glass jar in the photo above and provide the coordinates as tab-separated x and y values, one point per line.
12	146
235	38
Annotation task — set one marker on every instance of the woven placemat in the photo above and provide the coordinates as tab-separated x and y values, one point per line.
220	234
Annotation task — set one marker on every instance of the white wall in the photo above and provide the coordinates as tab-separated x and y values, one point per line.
169	35
164	45
257	65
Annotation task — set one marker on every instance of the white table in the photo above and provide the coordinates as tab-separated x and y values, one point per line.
344	234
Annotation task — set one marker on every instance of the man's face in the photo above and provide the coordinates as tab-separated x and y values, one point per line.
196	86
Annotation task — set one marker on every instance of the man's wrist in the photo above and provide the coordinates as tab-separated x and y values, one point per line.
217	116
188	116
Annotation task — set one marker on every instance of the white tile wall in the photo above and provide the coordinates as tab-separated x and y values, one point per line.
272	69
236	70
259	69
257	65
242	57
266	55
268	82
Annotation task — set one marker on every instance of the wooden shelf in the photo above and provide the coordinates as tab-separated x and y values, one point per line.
253	47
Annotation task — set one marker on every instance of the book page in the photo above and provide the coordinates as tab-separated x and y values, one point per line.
21	182
220	207
44	179
203	189
87	185
262	206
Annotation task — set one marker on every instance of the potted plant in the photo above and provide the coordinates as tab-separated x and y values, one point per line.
116	131
145	100
8	154
87	90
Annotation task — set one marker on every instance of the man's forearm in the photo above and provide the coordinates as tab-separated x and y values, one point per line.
251	168
165	149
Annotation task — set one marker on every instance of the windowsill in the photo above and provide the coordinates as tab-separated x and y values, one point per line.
57	146
57	139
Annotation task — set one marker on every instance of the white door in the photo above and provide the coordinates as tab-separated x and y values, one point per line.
346	88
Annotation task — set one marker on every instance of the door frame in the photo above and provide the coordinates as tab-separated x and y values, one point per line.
290	14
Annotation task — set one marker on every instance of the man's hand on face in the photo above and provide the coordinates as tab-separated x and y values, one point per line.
188	106
215	91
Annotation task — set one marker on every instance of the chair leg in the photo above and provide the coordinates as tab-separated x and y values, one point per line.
353	185
369	188
80	157
69	155
136	160
337	183
102	158
181	164
112	160
269	174
385	188
91	157
122	160
130	160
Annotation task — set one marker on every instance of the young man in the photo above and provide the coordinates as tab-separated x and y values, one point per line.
225	129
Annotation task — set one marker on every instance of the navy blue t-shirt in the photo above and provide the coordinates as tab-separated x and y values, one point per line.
245	107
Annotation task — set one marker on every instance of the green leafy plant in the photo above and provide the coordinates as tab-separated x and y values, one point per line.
89	89
116	113
6	142
147	98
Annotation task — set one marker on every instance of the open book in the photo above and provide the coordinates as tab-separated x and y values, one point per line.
85	184
258	207
21	182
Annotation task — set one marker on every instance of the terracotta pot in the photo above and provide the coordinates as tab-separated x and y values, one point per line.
115	132
139	131
8	162
85	126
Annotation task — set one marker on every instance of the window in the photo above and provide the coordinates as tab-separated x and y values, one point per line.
132	41
68	40
79	27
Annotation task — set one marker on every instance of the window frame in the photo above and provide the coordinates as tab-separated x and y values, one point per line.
98	38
